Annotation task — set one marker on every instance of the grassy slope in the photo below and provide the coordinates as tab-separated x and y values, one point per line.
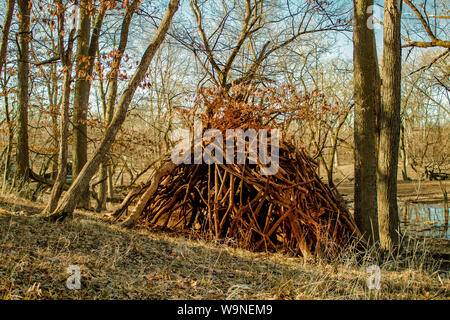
140	264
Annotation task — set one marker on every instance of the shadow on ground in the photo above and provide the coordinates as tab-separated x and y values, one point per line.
139	264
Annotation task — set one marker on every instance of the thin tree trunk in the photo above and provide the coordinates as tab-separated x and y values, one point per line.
113	82
5	30
70	199
52	88
404	154
66	59
54	166
101	199
365	87
3	47
390	126
334	150
110	182
10	143
444	193
22	157
63	143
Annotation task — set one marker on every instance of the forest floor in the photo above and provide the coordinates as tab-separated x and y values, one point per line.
116	263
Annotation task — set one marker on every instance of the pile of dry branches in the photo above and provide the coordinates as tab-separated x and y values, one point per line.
292	210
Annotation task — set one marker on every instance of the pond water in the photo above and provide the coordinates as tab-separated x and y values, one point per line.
424	219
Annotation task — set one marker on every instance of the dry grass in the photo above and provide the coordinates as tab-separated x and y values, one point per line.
140	264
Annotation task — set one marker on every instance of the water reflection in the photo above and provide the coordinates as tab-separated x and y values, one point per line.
424	219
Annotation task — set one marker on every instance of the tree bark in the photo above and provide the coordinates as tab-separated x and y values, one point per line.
22	156
81	98
67	205
388	219
365	91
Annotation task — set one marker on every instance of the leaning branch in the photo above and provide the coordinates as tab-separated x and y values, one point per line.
5	31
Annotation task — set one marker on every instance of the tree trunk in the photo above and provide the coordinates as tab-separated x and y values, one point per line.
5	31
63	143
390	126
113	81
110	182
52	88
66	59
334	151
22	157
70	199
10	144
81	99
101	204
404	154
3	46
54	165
365	91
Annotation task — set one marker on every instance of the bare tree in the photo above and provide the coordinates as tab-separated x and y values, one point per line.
113	86
425	113
68	202
431	29
87	45
303	70
67	63
365	96
235	41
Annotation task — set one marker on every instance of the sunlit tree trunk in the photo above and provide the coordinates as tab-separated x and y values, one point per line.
390	126
365	91
81	98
